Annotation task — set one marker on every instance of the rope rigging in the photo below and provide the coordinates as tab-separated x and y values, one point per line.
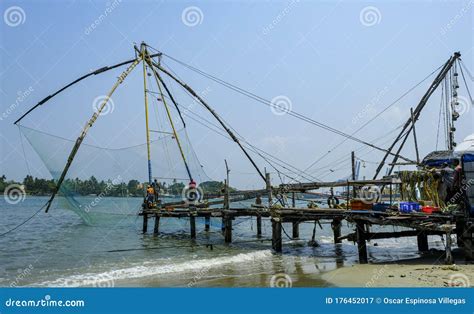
249	146
465	81
272	105
373	118
158	81
253	148
234	138
359	150
95	72
24	222
447	76
416	113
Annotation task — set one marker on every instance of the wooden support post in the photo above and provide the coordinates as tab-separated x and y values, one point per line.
467	240
259	226
422	239
269	188
157	225
296	230
192	223
228	229
336	229
227	190
207	223
413	120
449	256
145	223
391	194
353	161
226	196
313	242
468	249
293	199
276	235
361	244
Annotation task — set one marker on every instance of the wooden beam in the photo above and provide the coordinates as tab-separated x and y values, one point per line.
228	229
361	244
413	120
336	229
353	162
268	188
467	239
157	225
145	223
207	223
276	235
295	230
422	240
449	255
192	223
259	226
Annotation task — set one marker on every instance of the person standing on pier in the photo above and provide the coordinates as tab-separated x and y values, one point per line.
156	189
150	196
457	177
446	186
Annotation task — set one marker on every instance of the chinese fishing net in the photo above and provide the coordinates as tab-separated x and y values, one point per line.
105	180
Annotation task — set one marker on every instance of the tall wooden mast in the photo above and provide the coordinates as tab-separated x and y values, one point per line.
143	53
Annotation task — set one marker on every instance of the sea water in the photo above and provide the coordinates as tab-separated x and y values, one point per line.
59	249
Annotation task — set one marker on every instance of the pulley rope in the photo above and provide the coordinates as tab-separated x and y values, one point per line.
249	146
272	105
375	117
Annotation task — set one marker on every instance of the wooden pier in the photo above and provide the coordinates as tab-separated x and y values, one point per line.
418	225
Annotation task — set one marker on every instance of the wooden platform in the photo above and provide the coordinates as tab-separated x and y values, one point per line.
419	224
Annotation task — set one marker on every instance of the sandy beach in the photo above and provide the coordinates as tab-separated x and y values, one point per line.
423	272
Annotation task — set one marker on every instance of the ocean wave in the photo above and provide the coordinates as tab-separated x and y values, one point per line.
108	278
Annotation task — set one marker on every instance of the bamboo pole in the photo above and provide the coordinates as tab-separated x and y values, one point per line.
86	128
147	128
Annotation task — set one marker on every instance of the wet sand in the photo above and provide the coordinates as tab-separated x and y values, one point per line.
427	271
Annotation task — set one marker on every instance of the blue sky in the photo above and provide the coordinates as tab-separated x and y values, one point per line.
338	62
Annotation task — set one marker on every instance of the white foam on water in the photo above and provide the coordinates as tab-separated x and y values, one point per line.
148	269
325	239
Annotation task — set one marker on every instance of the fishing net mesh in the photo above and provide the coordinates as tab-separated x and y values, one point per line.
120	174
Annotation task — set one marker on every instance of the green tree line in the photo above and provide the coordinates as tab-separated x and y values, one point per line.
92	186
